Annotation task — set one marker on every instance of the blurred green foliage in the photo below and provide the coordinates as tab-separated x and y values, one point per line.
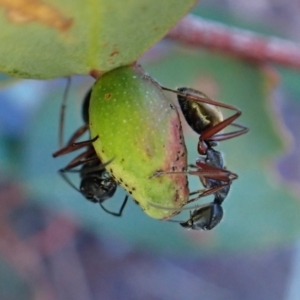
48	39
259	211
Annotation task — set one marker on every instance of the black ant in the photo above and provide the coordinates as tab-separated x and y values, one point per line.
217	181
97	185
205	118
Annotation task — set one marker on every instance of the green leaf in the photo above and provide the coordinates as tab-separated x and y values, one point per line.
47	39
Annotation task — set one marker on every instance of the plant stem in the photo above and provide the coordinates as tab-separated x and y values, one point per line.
244	44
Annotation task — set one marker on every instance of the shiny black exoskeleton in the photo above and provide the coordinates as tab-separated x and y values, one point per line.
204	218
209	215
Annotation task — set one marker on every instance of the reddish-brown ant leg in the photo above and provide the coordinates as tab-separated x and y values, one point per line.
81	159
73	147
229	135
207	172
224	176
209	133
77	134
206	192
213	172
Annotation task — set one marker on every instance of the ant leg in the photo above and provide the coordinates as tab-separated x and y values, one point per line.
62	112
203	170
118	214
207	192
81	159
180	209
219	174
200	97
63	174
229	135
73	147
207	172
209	133
78	133
100	167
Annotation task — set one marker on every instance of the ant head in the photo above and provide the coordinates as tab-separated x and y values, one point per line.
96	189
205	218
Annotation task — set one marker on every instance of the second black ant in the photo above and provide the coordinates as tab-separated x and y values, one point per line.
205	118
97	185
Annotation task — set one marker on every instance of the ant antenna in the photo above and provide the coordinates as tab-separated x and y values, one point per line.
62	112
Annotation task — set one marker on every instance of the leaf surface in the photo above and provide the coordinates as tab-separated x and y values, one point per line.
56	38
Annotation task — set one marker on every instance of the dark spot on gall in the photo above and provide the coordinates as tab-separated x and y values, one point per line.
130	192
114	53
107	96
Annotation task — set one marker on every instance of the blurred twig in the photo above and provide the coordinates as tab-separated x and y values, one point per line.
245	44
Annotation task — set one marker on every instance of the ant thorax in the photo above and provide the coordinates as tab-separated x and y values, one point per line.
214	158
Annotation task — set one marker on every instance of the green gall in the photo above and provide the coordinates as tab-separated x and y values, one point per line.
139	129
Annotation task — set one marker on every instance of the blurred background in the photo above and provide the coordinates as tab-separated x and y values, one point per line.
56	245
